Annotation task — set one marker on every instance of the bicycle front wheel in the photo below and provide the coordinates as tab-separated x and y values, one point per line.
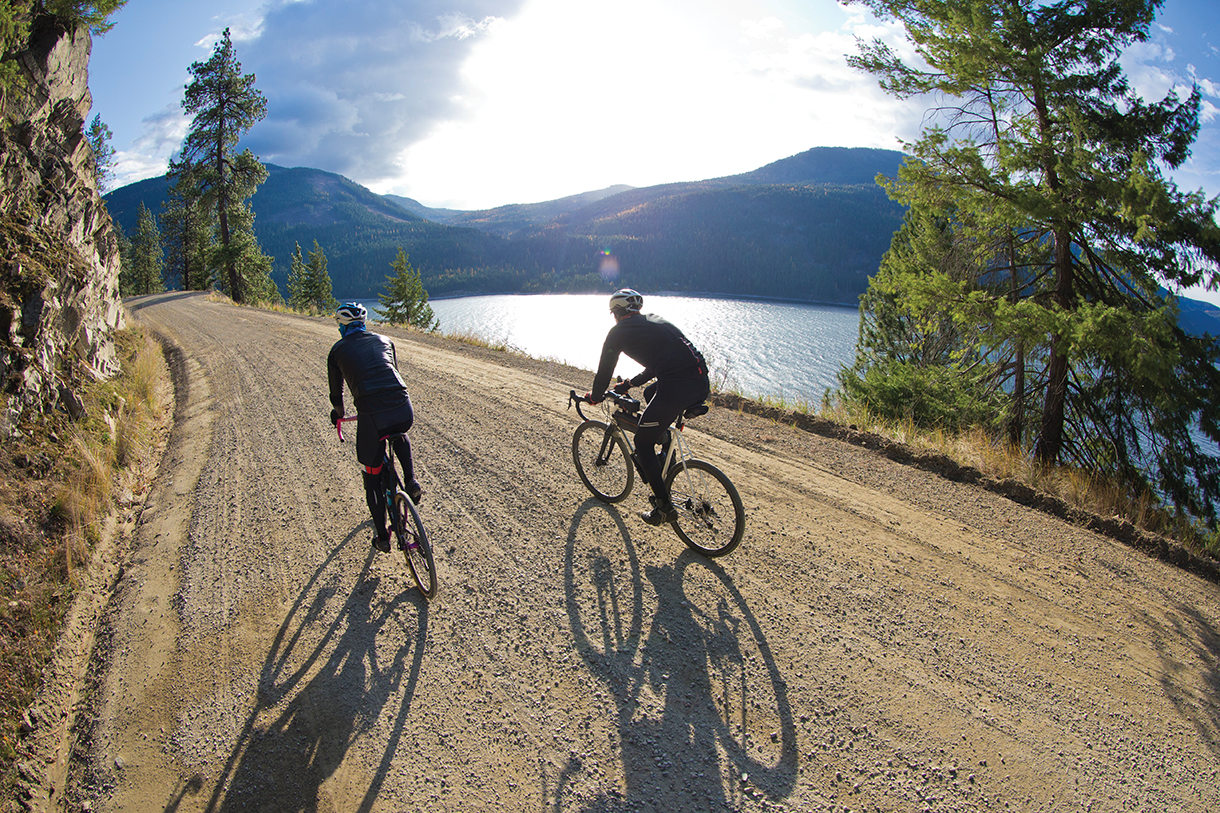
711	518
414	544
603	461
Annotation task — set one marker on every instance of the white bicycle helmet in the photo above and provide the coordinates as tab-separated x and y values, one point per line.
626	299
351	312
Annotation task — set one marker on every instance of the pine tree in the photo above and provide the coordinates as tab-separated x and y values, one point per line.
225	104
251	266
147	257
298	281
1043	236
98	135
321	296
309	285
405	301
186	231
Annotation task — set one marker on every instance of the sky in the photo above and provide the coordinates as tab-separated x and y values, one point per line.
472	104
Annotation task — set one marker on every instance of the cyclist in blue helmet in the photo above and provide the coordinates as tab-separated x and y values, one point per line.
368	363
681	382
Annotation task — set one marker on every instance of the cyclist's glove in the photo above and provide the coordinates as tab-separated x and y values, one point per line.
623	387
589	397
335	415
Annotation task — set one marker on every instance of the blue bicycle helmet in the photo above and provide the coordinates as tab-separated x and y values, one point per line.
351	312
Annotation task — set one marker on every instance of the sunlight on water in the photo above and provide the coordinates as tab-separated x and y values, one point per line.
761	348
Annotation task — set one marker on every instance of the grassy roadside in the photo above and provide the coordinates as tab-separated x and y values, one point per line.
974	456
59	482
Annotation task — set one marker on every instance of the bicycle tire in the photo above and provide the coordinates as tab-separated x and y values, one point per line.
414	544
610	479
711	518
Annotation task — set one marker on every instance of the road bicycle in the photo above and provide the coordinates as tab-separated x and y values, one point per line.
408	528
711	518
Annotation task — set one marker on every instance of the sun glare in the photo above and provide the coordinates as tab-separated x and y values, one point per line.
569	97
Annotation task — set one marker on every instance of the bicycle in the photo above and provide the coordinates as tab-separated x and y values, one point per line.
412	539
711	518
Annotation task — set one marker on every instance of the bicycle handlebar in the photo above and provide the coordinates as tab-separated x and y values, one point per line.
339	425
624	401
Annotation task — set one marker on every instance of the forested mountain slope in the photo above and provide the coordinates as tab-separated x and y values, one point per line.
813	227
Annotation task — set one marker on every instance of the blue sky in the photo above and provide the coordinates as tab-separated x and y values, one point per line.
477	103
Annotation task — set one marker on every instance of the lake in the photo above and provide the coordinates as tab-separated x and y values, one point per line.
780	349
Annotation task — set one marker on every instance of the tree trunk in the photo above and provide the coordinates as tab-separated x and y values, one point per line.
222	213
1050	439
1016	425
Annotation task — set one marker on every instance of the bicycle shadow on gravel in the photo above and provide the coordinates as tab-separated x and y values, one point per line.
312	705
702	712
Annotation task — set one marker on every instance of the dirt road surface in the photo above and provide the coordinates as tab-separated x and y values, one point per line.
882	640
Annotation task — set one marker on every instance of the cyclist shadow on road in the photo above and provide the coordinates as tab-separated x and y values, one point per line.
702	712
323	685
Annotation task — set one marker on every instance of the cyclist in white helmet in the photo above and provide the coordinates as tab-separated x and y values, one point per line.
368	363
681	382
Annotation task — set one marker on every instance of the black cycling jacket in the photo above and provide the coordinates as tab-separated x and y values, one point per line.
652	342
369	365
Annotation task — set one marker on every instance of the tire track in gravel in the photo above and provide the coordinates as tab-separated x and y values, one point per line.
883	639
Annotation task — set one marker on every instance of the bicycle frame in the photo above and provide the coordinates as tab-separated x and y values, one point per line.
678	448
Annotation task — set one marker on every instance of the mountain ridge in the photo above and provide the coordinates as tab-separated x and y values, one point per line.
775	231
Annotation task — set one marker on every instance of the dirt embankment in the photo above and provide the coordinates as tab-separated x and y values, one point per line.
884	639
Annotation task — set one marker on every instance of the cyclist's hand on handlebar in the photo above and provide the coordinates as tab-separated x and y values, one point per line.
589	397
623	387
335	415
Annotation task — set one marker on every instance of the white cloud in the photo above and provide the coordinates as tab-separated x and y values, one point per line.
149	154
567	97
349	85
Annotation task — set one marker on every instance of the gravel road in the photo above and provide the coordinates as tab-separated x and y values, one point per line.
883	639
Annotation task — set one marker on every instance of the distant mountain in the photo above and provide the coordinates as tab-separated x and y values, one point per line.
809	227
507	220
1197	317
845	166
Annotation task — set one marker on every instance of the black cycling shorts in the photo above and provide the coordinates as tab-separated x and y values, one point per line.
373	428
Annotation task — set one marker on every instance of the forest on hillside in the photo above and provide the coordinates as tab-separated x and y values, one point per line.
744	235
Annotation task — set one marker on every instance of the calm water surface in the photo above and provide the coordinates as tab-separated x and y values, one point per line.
760	348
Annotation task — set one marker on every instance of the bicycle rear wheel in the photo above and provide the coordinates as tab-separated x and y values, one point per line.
414	544
603	461
711	518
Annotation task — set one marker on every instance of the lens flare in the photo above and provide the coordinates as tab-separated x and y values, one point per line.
608	267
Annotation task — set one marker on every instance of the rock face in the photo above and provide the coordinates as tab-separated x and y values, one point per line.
59	258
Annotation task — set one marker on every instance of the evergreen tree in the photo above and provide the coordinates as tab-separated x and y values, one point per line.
98	135
309	285
1044	234
244	255
147	257
321	295
405	301
186	231
298	281
225	104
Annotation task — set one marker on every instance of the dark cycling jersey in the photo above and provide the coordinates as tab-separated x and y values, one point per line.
368	364
652	342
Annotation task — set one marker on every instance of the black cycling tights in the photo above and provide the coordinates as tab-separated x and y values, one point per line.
666	398
374	488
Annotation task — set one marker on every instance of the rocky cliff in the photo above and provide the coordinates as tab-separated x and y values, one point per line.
59	259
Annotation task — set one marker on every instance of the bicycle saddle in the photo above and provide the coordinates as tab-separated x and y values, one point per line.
695	411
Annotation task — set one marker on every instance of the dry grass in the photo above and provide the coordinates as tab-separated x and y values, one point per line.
1001	461
58	482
